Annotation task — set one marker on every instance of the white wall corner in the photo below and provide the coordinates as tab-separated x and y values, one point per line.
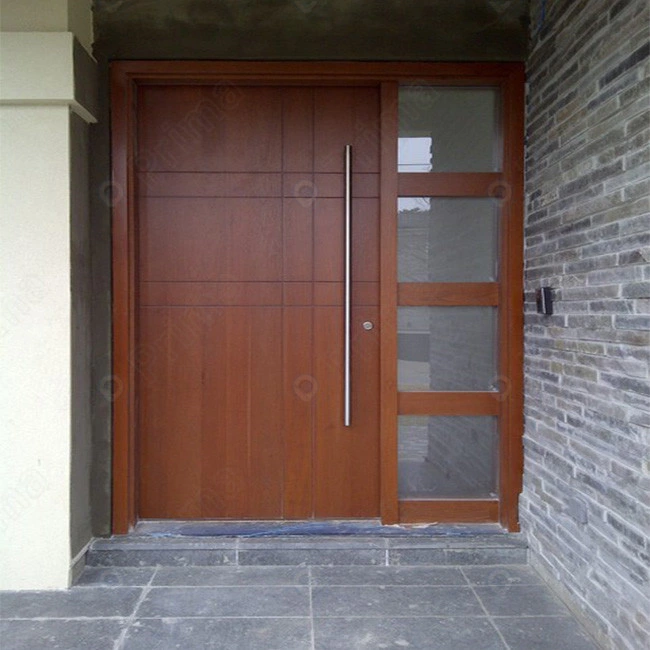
47	68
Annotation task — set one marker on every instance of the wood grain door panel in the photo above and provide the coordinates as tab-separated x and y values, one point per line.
207	239
210	385
209	129
345	458
239	360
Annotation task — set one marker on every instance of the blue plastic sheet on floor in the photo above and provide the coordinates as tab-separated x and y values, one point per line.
275	529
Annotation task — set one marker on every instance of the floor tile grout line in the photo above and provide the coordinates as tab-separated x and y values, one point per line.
125	618
42	619
311	610
393	615
251	585
300	585
119	642
236	586
489	617
87	587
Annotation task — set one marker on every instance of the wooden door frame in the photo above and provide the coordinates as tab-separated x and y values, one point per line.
126	76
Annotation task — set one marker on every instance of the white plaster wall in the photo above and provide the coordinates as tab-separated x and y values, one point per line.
34	15
34	347
49	16
36	67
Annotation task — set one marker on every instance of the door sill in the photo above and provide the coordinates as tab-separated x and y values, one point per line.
307	528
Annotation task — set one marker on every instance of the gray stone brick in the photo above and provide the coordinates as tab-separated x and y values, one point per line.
618	7
629	62
634	257
592	321
626	243
638	123
634	537
626	383
621	275
611	306
641	191
635	322
640	223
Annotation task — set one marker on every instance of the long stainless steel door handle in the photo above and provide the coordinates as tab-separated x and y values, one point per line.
347	415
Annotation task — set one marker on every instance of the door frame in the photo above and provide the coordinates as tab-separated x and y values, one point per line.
126	76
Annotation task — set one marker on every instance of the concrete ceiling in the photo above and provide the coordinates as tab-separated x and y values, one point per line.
312	29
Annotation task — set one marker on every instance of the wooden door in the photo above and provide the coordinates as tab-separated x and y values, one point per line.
239	323
227	225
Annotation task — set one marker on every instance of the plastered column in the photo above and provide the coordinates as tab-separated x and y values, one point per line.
39	92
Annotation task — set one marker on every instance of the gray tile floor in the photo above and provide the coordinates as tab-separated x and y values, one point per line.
293	608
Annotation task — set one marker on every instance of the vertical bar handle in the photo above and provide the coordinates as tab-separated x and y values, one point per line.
348	286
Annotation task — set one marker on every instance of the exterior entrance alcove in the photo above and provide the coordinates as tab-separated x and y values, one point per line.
581	506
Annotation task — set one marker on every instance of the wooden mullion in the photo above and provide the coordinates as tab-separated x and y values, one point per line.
477	184
449	510
388	304
123	311
512	309
449	403
448	294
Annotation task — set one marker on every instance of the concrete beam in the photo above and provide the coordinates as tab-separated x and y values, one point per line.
439	30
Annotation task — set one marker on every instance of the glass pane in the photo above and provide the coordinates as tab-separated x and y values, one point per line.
447	240
448	129
447	348
447	457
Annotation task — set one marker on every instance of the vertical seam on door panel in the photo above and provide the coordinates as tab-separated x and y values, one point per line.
313	308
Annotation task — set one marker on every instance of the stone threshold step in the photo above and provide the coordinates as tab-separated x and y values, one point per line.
317	550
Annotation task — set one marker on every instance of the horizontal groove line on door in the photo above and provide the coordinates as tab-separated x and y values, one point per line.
303	186
449	403
253	305
215	294
447	294
240	282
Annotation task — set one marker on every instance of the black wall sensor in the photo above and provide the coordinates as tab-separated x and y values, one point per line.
544	297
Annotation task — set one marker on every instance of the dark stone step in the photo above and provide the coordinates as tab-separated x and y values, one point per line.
317	550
